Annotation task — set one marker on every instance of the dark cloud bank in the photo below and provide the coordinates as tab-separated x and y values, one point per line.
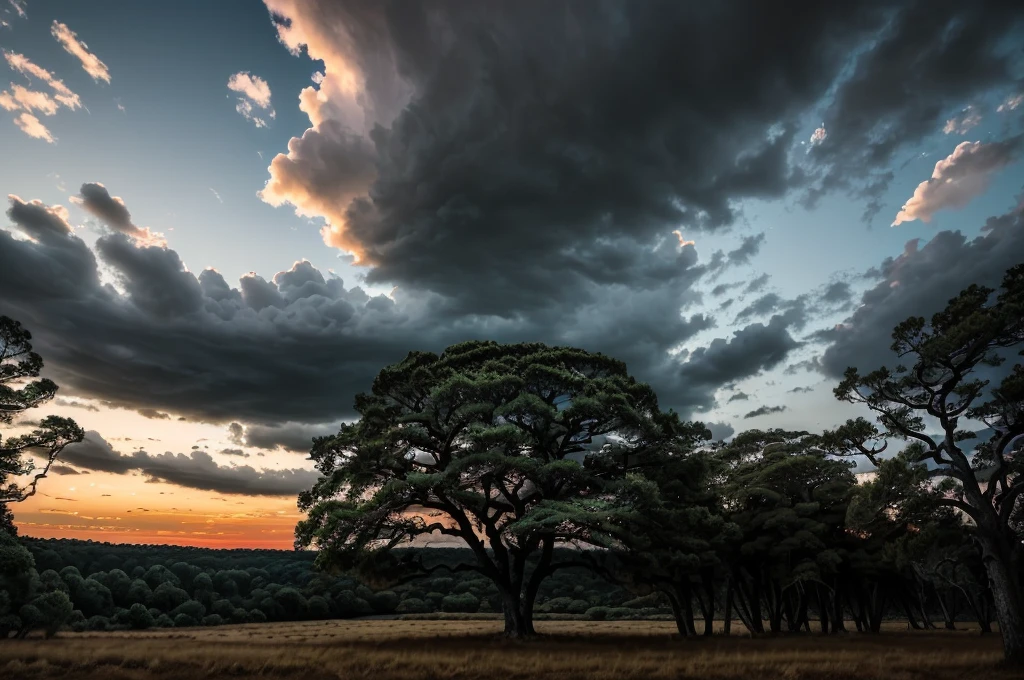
526	188
196	470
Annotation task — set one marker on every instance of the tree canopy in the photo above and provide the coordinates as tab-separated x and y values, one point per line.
511	449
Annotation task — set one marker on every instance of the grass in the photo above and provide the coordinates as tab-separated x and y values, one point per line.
471	650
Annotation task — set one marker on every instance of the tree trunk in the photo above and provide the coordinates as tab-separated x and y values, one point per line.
708	579
911	619
1007	596
687	602
677	613
838	611
517	625
823	607
728	608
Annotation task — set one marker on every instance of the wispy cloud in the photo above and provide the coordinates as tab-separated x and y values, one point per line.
31	126
75	47
216	195
764	411
254	103
24	99
19	7
26	67
968	119
1011	103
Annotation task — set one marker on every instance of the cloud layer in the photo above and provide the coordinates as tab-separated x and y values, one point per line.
196	470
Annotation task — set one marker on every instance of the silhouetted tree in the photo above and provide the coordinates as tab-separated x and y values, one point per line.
987	488
499	446
19	475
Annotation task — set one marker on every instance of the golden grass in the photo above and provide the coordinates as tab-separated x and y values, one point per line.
472	650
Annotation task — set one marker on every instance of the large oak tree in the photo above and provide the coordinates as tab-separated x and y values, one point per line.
513	450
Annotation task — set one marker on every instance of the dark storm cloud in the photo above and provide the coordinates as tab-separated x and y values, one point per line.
153	414
757	284
932	58
920	282
112	212
739	396
196	470
532	129
763	305
95	453
752	349
837	293
723	288
764	411
297	348
294	437
797	390
720	431
63	470
71	403
750	247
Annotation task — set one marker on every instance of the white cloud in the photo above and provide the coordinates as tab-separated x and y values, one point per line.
255	102
31	126
216	195
1011	103
969	118
19	7
75	47
958	178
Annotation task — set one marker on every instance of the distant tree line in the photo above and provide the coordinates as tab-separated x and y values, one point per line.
101	586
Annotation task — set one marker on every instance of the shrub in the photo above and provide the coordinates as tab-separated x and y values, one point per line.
213	620
597	613
184	621
97	623
48	612
139	617
412	605
466	603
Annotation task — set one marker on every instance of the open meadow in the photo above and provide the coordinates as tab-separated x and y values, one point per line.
472	649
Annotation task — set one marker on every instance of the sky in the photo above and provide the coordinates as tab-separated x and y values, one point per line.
223	219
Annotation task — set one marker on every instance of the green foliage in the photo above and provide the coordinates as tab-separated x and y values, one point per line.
465	602
527	443
139	617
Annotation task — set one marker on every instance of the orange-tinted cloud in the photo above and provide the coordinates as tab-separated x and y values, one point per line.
31	126
958	178
26	67
75	47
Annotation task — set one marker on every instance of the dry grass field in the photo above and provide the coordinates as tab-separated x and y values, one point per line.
471	650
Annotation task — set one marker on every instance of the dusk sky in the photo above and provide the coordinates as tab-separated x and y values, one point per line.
225	217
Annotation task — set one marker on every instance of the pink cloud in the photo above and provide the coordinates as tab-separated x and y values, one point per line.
75	47
958	178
